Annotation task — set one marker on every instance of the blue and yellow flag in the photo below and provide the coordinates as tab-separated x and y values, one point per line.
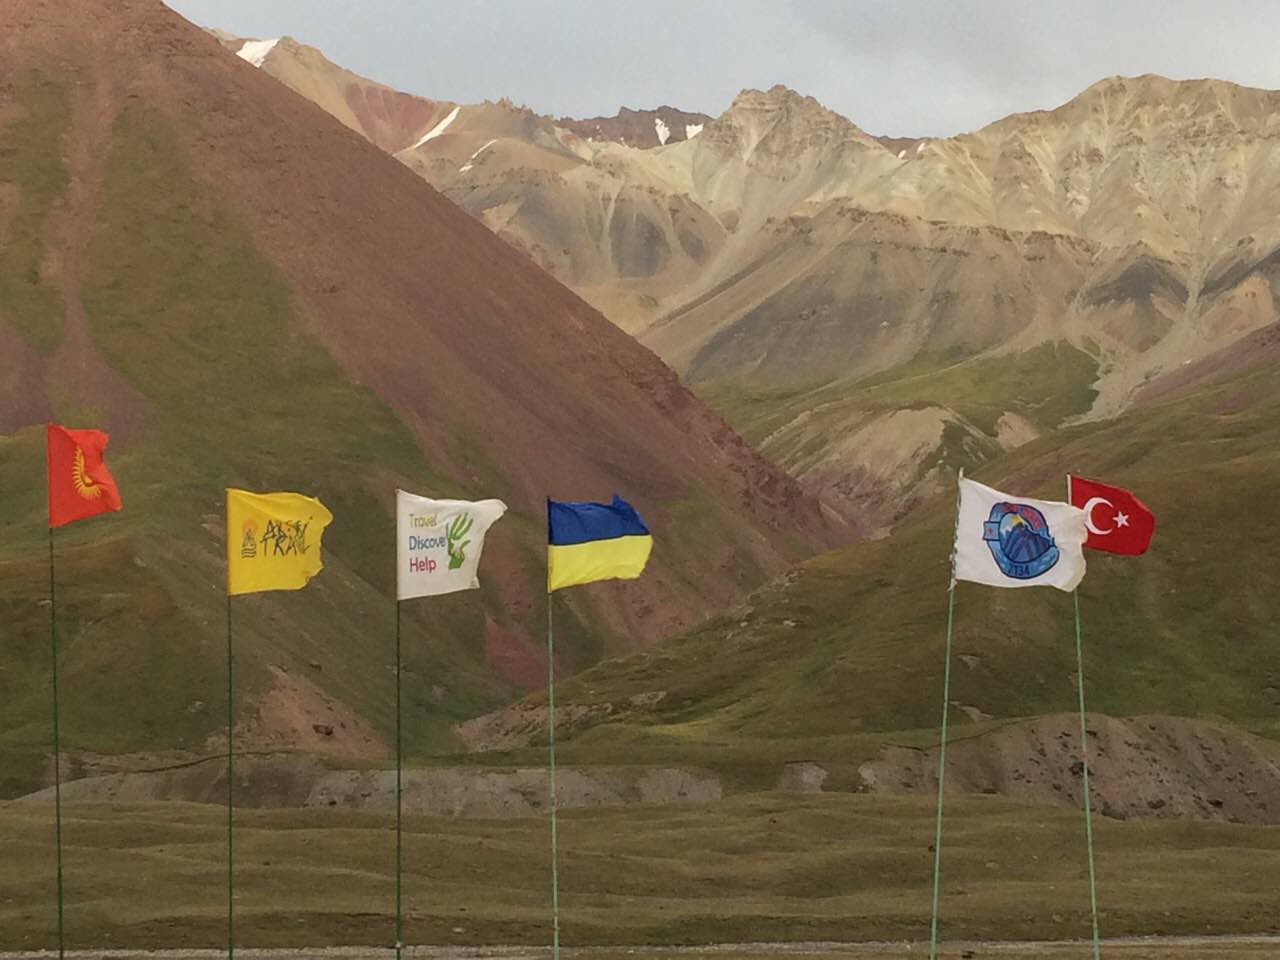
594	541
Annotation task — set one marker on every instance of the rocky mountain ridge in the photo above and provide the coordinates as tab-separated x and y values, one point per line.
807	278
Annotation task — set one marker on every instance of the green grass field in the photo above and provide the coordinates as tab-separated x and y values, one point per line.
762	867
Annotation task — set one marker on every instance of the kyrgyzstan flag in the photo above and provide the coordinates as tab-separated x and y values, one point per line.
80	485
1118	521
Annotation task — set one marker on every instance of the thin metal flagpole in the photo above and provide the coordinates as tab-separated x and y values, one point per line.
231	930
551	768
399	760
942	738
942	766
57	747
1084	760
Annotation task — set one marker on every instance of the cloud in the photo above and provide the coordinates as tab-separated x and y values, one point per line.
907	67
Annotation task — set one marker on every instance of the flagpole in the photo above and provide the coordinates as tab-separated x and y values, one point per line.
1084	759
57	747
399	760
231	940
551	751
942	737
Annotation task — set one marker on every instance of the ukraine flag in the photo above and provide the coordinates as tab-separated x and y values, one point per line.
594	541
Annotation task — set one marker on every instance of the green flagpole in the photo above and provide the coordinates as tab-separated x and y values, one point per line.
551	768
231	930
57	747
942	738
399	756
942	766
1084	760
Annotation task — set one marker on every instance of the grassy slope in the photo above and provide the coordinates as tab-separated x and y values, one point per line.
240	394
763	867
1045	385
184	305
31	161
852	641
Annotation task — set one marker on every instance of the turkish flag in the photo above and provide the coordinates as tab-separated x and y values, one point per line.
1118	521
80	485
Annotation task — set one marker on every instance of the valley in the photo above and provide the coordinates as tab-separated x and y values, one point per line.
781	337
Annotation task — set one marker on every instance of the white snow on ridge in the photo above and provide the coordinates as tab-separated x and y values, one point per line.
255	51
662	129
438	129
691	130
471	159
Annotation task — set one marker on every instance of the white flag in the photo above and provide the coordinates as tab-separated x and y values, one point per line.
438	543
1006	541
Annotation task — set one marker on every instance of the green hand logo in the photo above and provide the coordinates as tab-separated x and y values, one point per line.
460	527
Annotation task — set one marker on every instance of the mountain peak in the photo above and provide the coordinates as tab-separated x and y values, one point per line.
781	123
1192	96
779	96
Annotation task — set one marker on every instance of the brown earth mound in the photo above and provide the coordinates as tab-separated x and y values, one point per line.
1164	767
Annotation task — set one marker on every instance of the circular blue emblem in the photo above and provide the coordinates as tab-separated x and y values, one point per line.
1020	542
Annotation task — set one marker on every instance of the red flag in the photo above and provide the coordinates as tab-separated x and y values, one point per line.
1118	521
80	485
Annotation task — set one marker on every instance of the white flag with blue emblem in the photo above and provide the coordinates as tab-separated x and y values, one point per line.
1006	541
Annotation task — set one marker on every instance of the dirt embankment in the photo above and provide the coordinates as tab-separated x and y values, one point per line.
1144	767
522	792
1164	767
472	792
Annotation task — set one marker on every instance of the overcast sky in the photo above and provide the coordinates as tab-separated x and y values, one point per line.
896	67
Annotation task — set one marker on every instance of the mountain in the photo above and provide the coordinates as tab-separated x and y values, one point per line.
388	118
874	312
192	263
640	128
976	292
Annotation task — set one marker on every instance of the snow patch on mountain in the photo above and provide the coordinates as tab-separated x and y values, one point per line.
438	129
471	160
256	51
691	130
663	131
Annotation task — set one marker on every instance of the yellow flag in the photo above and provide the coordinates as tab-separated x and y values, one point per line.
273	540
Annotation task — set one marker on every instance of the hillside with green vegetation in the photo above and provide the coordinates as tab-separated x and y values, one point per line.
885	442
851	643
32	160
238	393
188	263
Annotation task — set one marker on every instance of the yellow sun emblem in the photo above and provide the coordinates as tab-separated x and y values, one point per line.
85	485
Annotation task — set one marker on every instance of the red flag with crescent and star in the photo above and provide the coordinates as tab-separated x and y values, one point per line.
1118	522
80	486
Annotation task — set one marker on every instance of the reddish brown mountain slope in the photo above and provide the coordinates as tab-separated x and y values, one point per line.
264	298
391	119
